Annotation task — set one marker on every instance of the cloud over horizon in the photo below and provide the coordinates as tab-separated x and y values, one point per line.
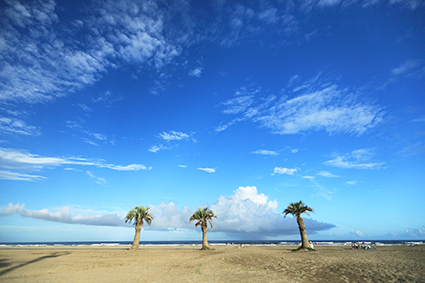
246	211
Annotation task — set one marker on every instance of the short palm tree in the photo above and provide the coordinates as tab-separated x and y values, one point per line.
296	209
139	215
203	216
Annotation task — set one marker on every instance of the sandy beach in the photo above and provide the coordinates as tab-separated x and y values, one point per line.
223	264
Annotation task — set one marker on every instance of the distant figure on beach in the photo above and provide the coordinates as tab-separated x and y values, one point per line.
311	245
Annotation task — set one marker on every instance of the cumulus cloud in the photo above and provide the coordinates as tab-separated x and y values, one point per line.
245	213
283	170
357	159
315	106
265	152
21	161
209	170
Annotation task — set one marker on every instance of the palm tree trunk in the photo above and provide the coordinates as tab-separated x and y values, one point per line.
135	245
303	233
204	238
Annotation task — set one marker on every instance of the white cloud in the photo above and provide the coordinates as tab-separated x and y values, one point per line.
196	72
17	126
7	175
351	182
319	106
328	2
45	56
168	216
327	174
11	159
209	170
356	232
173	136
98	180
182	166
357	159
269	16
155	148
64	216
265	152
80	128
283	170
416	233
246	212
238	104
405	67
308	177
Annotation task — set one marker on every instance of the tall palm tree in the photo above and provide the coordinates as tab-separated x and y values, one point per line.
296	209
139	215
203	215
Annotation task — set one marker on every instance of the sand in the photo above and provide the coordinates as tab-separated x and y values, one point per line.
223	264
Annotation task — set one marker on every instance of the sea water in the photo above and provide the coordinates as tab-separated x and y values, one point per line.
212	242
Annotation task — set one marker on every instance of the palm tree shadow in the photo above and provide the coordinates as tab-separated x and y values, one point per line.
53	255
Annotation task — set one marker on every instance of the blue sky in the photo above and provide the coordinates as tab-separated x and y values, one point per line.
243	106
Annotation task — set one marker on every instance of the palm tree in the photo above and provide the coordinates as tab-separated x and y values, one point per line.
296	209
203	215
140	215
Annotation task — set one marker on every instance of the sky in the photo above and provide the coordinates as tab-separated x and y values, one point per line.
241	106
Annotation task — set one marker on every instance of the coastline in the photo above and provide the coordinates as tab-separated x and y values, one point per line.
186	263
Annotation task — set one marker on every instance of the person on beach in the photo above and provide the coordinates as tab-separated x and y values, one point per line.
311	245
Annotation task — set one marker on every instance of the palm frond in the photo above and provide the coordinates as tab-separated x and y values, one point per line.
203	215
296	209
139	215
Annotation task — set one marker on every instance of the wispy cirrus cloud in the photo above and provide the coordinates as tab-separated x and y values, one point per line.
313	106
209	170
14	176
265	152
171	136
327	174
44	56
405	67
357	159
98	180
76	126
17	126
15	162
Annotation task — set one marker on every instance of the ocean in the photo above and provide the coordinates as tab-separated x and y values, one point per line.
212	242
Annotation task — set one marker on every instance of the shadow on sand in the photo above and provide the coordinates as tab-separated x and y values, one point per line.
3	262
